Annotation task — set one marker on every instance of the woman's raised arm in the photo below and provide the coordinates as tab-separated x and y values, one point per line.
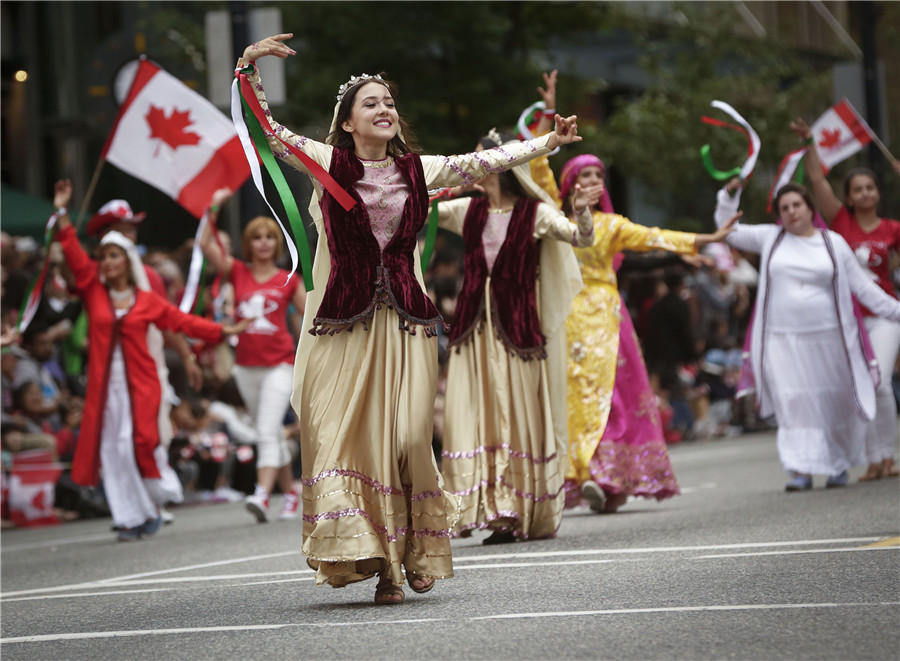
211	248
82	266
826	200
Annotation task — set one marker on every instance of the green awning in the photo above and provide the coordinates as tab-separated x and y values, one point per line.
22	214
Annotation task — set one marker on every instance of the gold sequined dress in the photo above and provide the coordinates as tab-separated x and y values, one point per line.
615	435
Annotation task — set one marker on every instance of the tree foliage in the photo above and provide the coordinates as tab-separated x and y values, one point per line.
656	137
461	67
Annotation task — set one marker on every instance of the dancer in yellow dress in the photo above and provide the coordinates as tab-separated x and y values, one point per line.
616	444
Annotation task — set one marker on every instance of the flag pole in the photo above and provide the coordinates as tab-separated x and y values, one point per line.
884	149
878	143
89	194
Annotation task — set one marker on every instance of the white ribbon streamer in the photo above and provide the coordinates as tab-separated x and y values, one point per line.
250	153
193	281
750	163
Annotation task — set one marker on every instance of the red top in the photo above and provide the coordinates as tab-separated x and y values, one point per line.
157	285
130	331
872	248
267	342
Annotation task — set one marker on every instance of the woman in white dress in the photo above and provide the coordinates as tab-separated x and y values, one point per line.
807	356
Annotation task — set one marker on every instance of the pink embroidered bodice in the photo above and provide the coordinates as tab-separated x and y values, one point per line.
383	191
494	235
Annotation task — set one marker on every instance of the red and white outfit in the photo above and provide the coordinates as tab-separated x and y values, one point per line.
872	250
265	358
119	428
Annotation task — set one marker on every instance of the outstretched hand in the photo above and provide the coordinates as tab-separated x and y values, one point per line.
269	46
726	229
566	131
799	127
587	196
62	193
236	328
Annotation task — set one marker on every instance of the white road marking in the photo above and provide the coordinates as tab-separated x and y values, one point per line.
55	542
751	555
461	562
357	623
217	563
663	549
87	594
684	609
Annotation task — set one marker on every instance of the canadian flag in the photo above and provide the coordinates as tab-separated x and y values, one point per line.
175	140
32	488
839	133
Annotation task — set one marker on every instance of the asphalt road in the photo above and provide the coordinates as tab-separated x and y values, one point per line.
734	568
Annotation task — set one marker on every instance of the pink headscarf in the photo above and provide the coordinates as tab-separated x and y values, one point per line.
570	173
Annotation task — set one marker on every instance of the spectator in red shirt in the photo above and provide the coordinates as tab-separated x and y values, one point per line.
264	358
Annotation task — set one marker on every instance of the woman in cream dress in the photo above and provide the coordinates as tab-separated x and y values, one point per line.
365	375
500	453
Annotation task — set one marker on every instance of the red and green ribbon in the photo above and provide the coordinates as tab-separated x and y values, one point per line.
715	173
33	297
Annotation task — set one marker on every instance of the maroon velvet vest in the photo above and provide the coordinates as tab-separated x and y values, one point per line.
364	277
513	281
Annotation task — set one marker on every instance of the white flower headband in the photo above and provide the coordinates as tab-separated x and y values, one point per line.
356	80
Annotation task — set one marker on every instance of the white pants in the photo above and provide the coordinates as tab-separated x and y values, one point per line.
266	392
881	433
132	499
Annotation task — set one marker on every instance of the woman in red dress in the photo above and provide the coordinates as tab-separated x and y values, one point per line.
119	431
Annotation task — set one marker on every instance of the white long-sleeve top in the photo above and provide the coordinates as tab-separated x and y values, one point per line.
832	301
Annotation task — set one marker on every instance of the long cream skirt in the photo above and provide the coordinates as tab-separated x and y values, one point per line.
373	498
499	453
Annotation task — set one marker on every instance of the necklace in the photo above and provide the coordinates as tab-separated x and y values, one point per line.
122	295
507	210
378	164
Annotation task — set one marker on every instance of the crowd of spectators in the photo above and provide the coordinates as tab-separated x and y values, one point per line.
690	316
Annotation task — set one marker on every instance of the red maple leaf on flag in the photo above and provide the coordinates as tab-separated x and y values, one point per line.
171	129
830	138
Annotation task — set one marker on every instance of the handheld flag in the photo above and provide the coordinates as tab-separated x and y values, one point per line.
839	133
172	138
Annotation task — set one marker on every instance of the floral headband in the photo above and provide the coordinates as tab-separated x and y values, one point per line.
357	80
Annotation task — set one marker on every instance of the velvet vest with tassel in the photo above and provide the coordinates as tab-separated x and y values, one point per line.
364	277
513	281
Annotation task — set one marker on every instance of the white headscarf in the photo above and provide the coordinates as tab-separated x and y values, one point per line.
155	345
137	266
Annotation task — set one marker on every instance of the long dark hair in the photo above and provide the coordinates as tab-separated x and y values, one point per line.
343	140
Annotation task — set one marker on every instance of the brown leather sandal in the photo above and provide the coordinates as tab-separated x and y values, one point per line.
428	582
388	594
